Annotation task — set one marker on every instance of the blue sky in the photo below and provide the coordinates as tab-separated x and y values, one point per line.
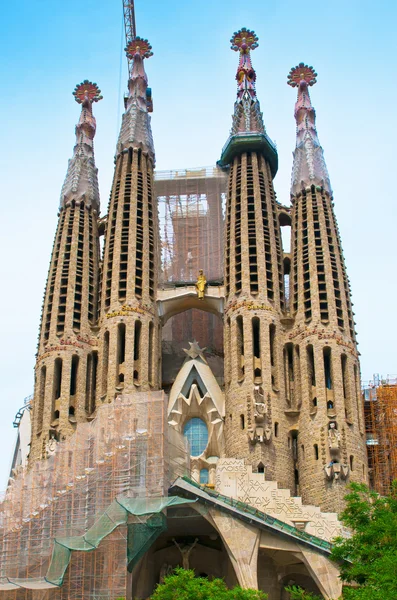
48	47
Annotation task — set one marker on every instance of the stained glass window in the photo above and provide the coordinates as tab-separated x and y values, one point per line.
204	476
196	433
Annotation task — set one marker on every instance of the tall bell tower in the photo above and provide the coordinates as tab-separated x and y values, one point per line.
129	342
65	373
330	444
254	290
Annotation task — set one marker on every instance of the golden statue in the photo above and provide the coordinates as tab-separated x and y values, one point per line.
200	285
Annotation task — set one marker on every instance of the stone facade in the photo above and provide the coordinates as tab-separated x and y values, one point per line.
291	405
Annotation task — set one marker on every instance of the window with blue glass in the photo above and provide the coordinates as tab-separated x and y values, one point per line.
196	432
204	476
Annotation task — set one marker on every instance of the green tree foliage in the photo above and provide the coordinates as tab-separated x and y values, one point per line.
297	593
369	557
183	585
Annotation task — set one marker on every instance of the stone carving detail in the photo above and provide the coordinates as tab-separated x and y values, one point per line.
185	549
235	479
260	428
333	439
51	446
335	470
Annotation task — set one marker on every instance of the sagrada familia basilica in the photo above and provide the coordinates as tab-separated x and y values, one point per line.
197	385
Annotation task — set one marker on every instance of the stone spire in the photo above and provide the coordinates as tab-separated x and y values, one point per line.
248	131
135	130
247	116
81	181
309	165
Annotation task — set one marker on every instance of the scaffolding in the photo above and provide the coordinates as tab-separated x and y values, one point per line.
191	206
380	412
65	523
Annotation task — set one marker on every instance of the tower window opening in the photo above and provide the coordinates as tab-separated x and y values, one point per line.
73	375
151	348
358	396
315	451
79	270
273	356
121	343
327	368
351	462
266	236
240	347
105	362
125	231
137	349
310	365
261	468
57	386
256	347
139	236
242	422
346	387
287	271
57	378
40	412
289	373
120	352
272	335
251	223
137	339
91	373
237	232
229	350
276	429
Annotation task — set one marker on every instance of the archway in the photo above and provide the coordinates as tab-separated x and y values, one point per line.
186	528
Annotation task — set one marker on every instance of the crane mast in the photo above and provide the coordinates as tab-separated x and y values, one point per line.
129	26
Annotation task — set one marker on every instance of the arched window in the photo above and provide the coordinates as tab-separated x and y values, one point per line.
204	476
196	432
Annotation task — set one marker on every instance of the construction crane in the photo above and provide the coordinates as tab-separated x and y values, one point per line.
130	34
129	27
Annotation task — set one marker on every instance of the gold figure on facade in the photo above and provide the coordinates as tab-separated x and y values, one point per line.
200	285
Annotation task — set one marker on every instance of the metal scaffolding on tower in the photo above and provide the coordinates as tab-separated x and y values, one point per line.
380	410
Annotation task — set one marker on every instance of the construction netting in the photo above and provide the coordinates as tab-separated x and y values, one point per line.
95	505
191	205
380	410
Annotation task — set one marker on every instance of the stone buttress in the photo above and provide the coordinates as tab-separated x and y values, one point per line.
65	374
129	337
320	353
254	290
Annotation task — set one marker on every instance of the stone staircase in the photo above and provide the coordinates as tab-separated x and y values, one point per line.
235	479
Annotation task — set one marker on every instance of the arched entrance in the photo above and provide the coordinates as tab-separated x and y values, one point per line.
188	532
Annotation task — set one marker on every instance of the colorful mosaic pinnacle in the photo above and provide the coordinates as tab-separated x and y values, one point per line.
302	73
87	89
243	41
138	46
